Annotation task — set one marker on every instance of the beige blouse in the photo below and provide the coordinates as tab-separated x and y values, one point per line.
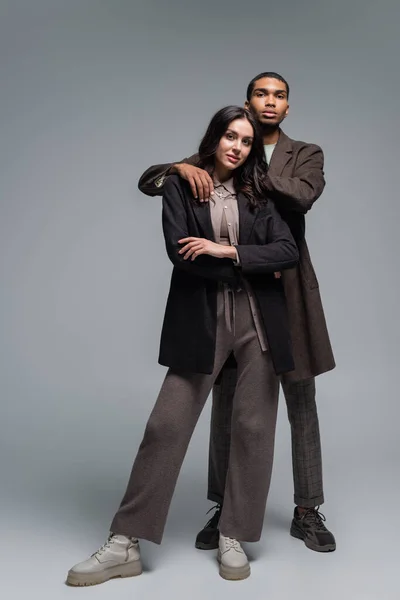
225	222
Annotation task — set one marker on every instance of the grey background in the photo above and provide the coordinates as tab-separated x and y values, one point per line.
93	92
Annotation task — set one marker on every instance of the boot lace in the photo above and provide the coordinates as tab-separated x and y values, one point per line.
213	522
315	518
105	546
232	543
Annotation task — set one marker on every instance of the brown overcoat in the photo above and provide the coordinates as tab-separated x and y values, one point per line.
296	181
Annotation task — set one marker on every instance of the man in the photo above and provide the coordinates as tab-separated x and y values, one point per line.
296	180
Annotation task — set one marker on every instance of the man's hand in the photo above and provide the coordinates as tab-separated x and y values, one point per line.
196	246
277	275
200	181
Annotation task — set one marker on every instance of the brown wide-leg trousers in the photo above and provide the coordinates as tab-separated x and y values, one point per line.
144	508
306	441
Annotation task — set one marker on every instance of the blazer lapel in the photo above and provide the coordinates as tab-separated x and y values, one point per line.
281	155
203	217
246	219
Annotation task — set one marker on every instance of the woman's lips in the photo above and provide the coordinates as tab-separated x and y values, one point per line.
232	159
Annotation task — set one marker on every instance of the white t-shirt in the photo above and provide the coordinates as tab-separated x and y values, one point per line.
268	149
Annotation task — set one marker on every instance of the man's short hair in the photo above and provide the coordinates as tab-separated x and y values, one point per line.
269	74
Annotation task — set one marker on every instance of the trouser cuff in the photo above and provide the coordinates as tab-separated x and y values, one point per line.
309	502
215	498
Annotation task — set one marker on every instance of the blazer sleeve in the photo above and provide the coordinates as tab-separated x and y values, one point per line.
299	193
152	180
175	227
279	253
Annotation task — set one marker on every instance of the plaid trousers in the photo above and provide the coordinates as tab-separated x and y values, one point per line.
306	442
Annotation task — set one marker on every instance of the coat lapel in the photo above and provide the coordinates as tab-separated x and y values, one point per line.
246	219
203	217
281	155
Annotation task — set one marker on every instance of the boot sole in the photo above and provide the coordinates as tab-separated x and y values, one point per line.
299	534
203	546
233	573
85	579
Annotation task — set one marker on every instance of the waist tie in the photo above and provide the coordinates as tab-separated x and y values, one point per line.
230	308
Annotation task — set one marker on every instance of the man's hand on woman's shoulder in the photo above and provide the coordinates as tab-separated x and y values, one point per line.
200	181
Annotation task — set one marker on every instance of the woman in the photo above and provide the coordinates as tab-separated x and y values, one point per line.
223	298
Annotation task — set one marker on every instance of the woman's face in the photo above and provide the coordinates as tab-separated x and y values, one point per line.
235	145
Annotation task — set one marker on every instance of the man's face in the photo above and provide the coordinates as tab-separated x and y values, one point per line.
269	101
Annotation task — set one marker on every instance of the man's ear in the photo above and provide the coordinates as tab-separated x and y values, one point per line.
247	104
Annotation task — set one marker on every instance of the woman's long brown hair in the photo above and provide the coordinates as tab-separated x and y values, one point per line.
249	178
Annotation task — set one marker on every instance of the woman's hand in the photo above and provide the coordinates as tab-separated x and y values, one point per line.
196	246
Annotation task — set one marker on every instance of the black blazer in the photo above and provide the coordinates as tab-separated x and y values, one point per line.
265	245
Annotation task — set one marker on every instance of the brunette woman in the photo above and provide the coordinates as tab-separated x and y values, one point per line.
223	298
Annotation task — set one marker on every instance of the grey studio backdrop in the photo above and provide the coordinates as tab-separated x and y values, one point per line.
92	93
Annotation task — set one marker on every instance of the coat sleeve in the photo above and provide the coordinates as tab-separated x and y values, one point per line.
175	227
299	193
279	253
152	180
